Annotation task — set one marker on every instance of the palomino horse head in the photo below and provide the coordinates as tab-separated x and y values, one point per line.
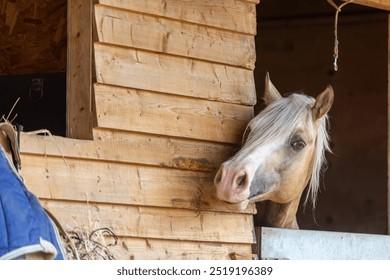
282	153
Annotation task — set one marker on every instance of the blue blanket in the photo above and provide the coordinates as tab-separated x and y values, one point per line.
25	228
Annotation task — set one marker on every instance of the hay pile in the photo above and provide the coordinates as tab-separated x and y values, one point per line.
84	243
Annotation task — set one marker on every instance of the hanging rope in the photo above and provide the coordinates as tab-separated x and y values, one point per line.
336	41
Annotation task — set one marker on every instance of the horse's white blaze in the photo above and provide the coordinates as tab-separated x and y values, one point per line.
235	175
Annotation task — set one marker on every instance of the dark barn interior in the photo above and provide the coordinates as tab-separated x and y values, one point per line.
33	63
294	43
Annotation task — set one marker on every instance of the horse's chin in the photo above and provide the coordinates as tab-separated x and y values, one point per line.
242	205
239	206
259	198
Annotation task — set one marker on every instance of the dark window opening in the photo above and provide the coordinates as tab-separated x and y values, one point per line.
33	63
294	42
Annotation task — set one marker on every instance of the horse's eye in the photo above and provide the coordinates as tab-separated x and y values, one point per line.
298	145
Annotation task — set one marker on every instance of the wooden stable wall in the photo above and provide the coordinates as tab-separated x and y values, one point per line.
174	91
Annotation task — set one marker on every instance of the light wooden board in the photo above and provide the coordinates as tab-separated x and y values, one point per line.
150	112
114	183
234	15
79	119
322	245
379	4
157	249
159	223
127	28
159	72
132	148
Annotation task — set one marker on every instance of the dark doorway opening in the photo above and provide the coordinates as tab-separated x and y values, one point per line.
295	43
33	36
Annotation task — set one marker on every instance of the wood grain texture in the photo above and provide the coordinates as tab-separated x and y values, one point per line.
132	148
127	28
159	249
33	37
239	16
79	119
138	69
118	183
159	223
150	112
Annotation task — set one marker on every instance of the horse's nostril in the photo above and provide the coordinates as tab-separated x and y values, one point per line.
240	181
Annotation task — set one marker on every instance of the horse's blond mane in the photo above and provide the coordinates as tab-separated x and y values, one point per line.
281	117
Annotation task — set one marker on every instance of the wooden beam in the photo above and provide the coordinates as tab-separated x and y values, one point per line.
239	16
133	148
119	183
121	27
79	119
159	249
379	4
138	69
171	115
158	223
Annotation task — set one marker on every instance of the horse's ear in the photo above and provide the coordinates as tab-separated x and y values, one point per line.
323	103
270	92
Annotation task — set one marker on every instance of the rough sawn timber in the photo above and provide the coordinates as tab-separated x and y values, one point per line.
73	179
128	28
157	223
134	68
83	182
134	148
164	114
239	16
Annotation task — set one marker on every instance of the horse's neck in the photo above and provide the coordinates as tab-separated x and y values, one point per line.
281	215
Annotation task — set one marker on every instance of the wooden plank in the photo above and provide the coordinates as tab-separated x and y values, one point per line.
175	153
158	72
151	112
79	119
153	222
227	14
114	183
379	4
156	249
134	148
126	28
322	245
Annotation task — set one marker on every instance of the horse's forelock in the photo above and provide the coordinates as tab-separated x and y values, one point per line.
280	117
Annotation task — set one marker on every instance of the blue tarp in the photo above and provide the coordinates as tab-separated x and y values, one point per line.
24	225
